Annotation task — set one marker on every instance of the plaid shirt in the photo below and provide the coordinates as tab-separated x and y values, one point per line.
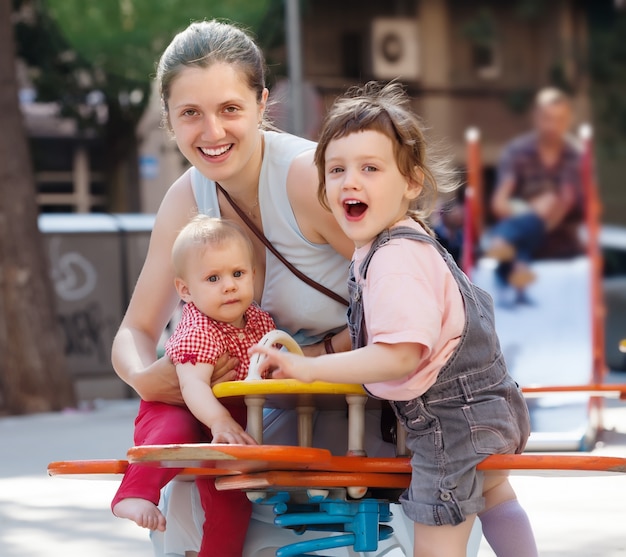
200	339
521	161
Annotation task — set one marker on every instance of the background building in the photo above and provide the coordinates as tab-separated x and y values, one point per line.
465	63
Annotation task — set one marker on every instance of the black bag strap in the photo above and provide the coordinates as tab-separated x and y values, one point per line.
257	232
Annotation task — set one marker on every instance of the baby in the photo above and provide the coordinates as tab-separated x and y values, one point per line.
214	267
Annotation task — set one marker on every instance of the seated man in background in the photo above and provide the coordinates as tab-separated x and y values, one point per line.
538	195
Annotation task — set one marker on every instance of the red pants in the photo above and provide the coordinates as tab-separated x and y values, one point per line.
227	513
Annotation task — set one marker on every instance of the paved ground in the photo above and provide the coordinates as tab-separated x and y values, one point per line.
44	517
580	516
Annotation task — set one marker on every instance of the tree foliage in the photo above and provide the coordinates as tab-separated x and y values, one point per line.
124	37
608	73
90	55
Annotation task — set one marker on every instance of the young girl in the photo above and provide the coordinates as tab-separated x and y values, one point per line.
214	266
423	335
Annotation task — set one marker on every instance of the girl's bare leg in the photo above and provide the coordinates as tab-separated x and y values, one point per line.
442	541
497	489
505	524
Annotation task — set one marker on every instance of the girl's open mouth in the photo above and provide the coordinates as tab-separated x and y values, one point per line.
354	209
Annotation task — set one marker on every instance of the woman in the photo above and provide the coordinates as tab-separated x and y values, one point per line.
219	129
212	85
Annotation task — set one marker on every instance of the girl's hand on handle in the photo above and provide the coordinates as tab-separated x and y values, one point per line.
284	365
227	430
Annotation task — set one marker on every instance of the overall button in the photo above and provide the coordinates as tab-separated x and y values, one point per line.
445	496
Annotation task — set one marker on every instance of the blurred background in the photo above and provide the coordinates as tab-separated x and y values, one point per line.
85	162
101	161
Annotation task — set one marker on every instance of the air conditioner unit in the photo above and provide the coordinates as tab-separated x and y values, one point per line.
395	48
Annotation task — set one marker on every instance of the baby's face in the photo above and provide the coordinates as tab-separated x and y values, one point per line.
220	281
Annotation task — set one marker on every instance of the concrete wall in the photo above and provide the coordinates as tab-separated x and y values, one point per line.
160	161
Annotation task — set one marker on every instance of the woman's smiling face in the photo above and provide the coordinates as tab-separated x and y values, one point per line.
215	117
364	187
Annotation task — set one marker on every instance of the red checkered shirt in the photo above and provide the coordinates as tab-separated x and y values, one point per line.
200	339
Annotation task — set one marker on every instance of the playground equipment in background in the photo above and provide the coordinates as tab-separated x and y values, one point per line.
558	340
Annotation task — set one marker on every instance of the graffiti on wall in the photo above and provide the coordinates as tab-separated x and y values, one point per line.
87	326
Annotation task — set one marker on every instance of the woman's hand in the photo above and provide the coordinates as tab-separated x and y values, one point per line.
314	350
224	370
340	342
158	383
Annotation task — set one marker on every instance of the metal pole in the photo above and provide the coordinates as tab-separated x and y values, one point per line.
294	66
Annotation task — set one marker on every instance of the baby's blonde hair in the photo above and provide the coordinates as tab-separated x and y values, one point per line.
201	232
387	109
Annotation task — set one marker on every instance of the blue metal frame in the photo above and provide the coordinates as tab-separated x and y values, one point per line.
359	524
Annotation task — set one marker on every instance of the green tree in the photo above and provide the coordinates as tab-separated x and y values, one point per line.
607	50
33	375
84	52
608	71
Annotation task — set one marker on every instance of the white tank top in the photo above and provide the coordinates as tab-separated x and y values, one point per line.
298	309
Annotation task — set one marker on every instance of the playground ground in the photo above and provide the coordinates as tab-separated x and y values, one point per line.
45	517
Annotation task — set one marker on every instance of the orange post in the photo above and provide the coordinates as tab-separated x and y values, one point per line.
592	219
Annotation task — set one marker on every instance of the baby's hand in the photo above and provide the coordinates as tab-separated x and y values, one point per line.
283	365
227	430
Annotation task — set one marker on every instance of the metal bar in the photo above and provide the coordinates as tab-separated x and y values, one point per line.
294	66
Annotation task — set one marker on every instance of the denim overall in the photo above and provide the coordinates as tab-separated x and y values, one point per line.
474	409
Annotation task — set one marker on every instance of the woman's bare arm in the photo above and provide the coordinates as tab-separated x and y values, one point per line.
340	342
316	223
153	301
318	226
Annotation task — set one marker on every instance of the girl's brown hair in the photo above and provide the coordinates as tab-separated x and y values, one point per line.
387	109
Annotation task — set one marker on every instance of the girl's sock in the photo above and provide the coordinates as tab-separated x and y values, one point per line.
507	529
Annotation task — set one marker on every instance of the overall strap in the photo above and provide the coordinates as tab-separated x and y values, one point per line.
397	233
257	232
